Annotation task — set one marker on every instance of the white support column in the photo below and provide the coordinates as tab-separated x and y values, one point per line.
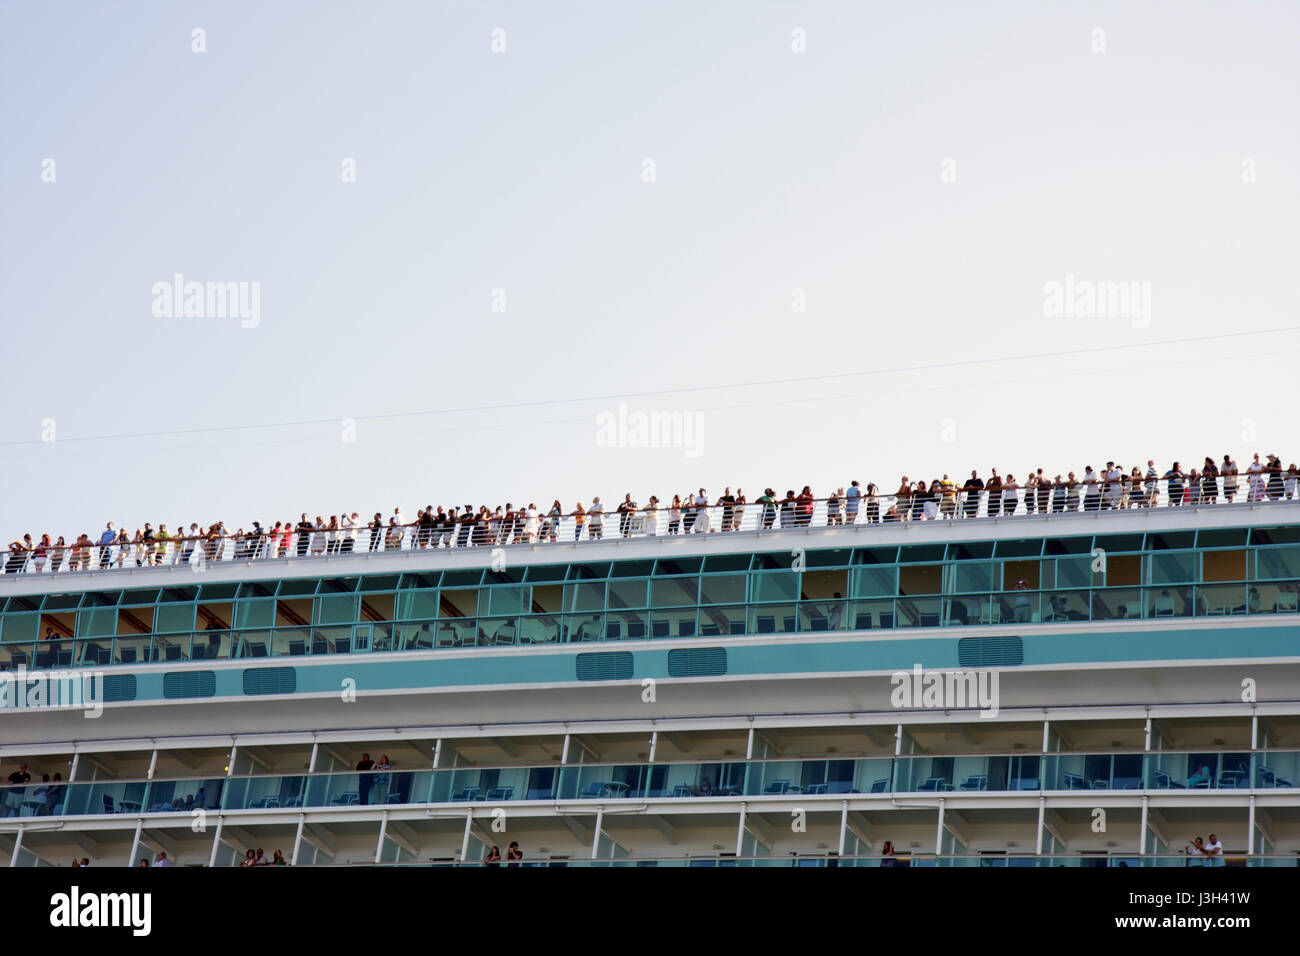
383	832
1142	837
153	764
297	839
230	767
595	840
216	842
72	770
1047	725
654	745
464	843
1250	826
749	744
740	832
18	845
437	752
938	832
898	741
315	750
1042	814
844	826
564	754
1146	739
135	843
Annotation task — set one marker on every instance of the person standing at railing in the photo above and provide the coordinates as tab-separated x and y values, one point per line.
1292	481
650	524
1173	479
1114	487
1255	480
903	498
596	520
948	497
738	511
304	531
1229	473
579	515
553	518
994	488
626	508
161	541
106	539
873	503
806	502
1031	487
833	508
971	491
688	513
852	501
701	524
728	502
1275	484
675	514
1153	483
1010	498
1044	491
41	552
1210	482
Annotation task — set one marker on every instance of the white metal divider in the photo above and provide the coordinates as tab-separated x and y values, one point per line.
297	839
18	845
216	842
135	842
740	831
383	832
595	840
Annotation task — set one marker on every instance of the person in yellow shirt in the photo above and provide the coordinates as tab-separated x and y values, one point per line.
948	497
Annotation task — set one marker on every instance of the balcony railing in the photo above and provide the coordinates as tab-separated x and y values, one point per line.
493	531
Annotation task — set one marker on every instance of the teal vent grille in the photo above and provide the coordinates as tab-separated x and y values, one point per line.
991	651
178	684
117	687
614	665
697	662
270	680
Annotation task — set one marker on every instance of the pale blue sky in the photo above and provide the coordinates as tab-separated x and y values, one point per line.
522	171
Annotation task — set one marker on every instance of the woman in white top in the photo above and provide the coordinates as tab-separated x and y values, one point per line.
1009	496
675	514
318	537
701	525
532	524
1255	480
651	524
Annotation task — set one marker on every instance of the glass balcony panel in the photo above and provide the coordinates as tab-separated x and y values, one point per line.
866	615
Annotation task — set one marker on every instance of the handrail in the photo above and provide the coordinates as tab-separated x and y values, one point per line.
484	528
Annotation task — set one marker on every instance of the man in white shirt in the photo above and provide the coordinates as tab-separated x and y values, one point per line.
852	498
1091	490
398	525
1214	852
162	859
1114	485
350	525
596	520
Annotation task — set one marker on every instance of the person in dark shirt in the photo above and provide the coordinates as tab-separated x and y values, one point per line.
304	529
974	487
493	858
513	854
20	776
364	780
1174	484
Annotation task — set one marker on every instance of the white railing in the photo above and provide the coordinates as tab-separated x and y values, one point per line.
486	528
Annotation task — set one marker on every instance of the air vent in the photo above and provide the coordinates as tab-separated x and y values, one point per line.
615	665
179	684
270	680
991	651
117	687
697	662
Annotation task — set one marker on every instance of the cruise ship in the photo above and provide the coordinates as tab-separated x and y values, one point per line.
1079	688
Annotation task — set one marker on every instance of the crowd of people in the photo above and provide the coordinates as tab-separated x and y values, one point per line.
1113	487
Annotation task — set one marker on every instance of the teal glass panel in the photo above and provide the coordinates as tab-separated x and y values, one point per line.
874	581
259	612
19	627
174	618
1277	562
507	599
627	592
96	622
586	596
335	609
722	588
419	605
1172	567
972	576
776	586
674	592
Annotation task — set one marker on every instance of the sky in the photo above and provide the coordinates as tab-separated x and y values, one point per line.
538	250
